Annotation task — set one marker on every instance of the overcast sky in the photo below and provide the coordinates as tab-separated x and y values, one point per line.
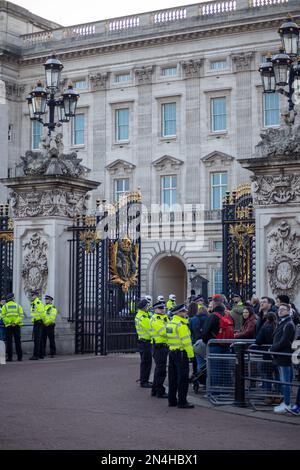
69	12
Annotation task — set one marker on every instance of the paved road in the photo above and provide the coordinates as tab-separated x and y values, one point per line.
95	403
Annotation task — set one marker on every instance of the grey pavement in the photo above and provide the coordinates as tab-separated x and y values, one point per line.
87	402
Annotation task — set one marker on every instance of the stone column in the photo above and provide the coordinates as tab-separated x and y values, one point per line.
276	195
50	191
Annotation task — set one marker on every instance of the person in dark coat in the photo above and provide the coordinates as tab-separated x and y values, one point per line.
248	327
282	343
265	308
196	325
264	339
255	304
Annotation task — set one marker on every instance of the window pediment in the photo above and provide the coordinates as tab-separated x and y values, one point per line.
120	167
167	163
217	158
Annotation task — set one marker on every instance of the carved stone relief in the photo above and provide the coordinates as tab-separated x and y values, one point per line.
52	202
279	189
276	143
192	67
242	61
284	259
35	264
98	81
144	74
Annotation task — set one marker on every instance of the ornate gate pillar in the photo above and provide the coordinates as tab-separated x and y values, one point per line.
276	198
46	196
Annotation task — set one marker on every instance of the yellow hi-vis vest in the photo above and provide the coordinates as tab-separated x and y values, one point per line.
170	304
50	314
37	311
158	330
179	336
142	325
12	314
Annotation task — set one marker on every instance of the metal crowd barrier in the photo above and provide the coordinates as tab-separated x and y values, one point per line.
221	370
241	373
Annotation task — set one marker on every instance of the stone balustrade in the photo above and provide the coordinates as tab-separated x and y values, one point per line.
154	19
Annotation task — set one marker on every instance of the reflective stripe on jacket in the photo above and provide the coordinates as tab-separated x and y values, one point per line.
142	325
12	314
50	314
179	335
37	311
158	330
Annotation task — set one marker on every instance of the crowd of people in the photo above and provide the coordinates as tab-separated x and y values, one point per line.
179	334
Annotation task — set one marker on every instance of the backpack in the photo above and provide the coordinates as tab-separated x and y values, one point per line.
226	327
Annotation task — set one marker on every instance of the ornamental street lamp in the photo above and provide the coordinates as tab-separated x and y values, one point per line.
41	97
283	69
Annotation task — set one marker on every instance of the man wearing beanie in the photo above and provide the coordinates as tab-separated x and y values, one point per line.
143	329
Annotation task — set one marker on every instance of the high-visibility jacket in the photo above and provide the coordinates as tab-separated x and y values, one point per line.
12	314
142	325
37	311
158	325
50	314
170	304
132	306
179	335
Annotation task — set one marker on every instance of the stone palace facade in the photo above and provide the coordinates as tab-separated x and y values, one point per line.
169	100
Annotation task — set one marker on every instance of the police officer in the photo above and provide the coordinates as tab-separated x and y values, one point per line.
181	352
37	316
158	325
171	302
49	326
142	325
12	315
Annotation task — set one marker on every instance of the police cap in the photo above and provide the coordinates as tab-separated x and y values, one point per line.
179	308
9	296
48	297
142	304
160	305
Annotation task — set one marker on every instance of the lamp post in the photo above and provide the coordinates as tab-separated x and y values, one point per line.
42	97
283	69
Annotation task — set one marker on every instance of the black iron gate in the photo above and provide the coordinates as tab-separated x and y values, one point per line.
239	243
105	277
6	251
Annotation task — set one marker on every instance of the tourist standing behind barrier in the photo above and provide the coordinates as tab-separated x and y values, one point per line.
12	315
255	304
282	343
237	312
265	337
37	316
265	308
249	322
196	324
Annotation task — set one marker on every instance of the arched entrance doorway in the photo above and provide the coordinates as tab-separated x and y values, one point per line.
170	277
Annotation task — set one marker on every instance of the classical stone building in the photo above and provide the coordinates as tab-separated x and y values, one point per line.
169	100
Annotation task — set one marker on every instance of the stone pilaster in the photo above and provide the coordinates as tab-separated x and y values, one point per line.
144	148
242	68
276	196
50	191
3	138
192	72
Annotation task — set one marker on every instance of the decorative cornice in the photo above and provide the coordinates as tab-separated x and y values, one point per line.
242	61
217	155
154	41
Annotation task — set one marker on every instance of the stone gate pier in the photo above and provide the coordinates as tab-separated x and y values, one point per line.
50	189
276	197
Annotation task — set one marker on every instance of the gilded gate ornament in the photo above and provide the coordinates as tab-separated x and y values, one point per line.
124	263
